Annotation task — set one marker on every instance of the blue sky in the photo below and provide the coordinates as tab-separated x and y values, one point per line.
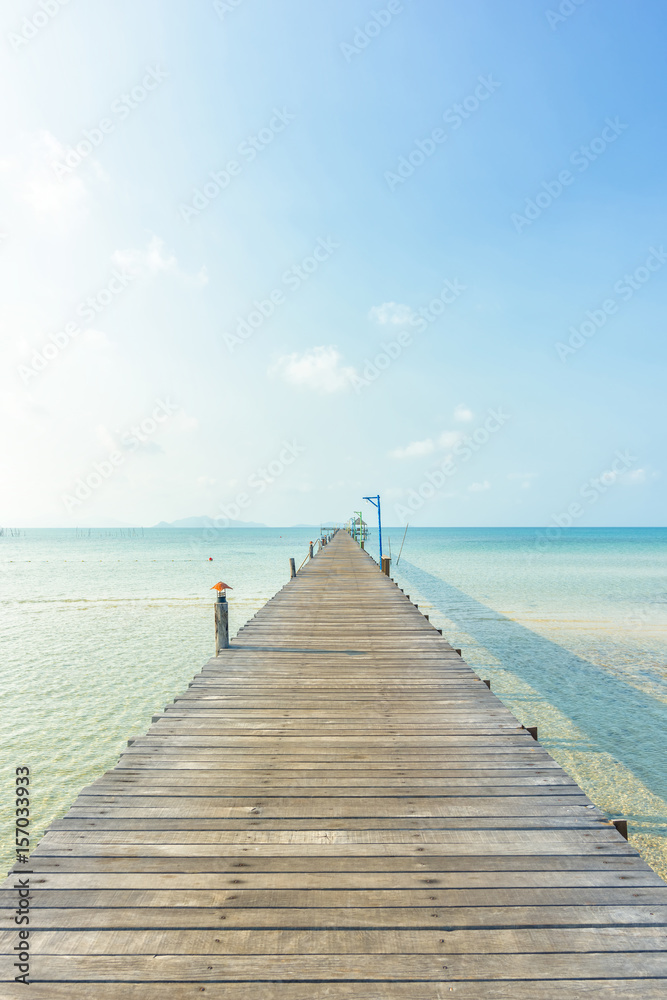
496	166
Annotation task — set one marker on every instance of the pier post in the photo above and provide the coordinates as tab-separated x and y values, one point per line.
622	827
386	562
221	623
292	567
310	550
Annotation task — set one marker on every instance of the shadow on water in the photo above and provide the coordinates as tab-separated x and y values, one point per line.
615	717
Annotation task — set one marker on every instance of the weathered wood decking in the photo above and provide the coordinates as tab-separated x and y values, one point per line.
339	808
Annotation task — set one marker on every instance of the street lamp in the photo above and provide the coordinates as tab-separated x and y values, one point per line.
376	503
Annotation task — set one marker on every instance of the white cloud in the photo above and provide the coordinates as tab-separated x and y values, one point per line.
462	414
391	313
525	477
449	438
30	177
638	477
319	369
186	422
480	487
201	278
154	260
21	408
414	450
107	439
95	338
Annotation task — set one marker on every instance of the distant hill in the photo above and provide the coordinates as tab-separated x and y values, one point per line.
208	522
325	524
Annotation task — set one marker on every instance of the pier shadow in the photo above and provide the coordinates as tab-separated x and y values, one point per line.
615	717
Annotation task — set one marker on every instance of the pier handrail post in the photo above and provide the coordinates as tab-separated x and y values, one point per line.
292	567
221	623
386	563
310	550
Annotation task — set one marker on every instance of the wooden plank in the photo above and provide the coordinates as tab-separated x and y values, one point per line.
443	968
430	896
337	805
627	865
100	878
380	841
353	918
582	989
351	942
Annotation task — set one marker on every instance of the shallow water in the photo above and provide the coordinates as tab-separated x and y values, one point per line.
101	630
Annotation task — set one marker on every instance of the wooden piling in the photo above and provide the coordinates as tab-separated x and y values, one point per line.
221	623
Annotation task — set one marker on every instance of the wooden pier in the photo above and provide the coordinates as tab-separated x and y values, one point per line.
338	808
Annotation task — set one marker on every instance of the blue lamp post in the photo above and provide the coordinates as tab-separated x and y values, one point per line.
376	503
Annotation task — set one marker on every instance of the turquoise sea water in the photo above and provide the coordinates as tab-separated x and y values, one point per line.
101	629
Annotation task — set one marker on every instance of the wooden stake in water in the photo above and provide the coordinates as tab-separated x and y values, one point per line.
401	548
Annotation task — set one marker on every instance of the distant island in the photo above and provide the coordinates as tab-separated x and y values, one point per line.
208	522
